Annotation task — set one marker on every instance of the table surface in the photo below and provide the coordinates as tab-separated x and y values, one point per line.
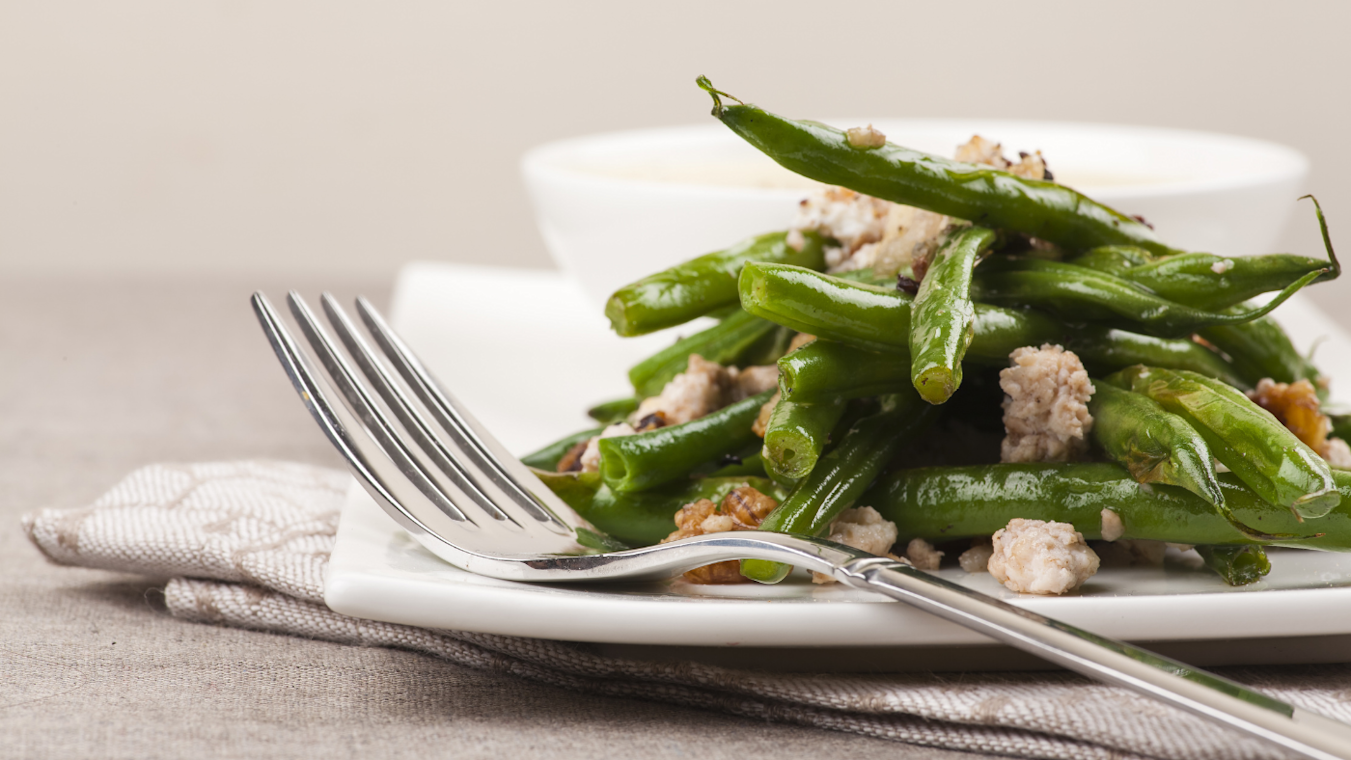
101	376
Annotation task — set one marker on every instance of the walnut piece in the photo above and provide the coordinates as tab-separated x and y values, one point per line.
1037	557
1046	415
800	340
1297	407
762	421
743	508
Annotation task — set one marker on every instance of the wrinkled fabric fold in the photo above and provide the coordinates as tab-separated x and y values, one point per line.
245	544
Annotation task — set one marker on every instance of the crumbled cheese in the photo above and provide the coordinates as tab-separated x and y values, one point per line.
743	508
979	150
749	381
891	238
591	456
865	137
1046	415
1112	527
1337	454
977	558
1222	266
851	218
1037	557
862	528
909	239
1132	553
706	387
795	239
922	554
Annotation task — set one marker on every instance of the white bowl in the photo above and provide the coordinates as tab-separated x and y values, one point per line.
615	207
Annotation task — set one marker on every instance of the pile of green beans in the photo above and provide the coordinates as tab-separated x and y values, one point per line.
1169	337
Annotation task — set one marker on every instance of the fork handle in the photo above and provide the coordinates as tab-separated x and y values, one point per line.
1176	683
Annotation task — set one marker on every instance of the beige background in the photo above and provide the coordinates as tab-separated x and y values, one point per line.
160	135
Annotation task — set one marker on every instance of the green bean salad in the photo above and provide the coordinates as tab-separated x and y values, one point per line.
963	358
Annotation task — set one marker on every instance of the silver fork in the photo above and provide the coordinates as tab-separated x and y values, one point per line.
462	495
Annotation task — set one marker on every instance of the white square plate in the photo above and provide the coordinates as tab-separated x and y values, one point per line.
526	353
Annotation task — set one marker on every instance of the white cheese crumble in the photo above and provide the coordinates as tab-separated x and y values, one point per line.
865	137
1222	266
1046	415
1112	527
977	558
591	457
1037	557
1337	454
923	555
862	528
706	387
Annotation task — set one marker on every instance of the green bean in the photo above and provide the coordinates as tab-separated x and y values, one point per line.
1079	293
548	457
646	460
1237	565
767	350
1207	281
1154	445
610	412
948	503
1105	349
1246	438
873	317
827	369
797	434
1158	447
823	370
942	316
1114	259
1261	348
725	343
986	196
675	296
842	475
645	518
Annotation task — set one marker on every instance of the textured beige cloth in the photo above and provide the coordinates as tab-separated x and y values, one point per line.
246	543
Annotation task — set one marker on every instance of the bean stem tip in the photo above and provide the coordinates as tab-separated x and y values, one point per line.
716	94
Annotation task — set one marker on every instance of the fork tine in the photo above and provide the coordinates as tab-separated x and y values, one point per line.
370	414
343	431
485	451
450	462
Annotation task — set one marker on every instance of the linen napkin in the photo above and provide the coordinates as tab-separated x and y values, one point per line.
246	544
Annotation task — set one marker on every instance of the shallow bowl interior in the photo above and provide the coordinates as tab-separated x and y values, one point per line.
614	207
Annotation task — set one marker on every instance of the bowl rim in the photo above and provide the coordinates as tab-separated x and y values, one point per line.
547	161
